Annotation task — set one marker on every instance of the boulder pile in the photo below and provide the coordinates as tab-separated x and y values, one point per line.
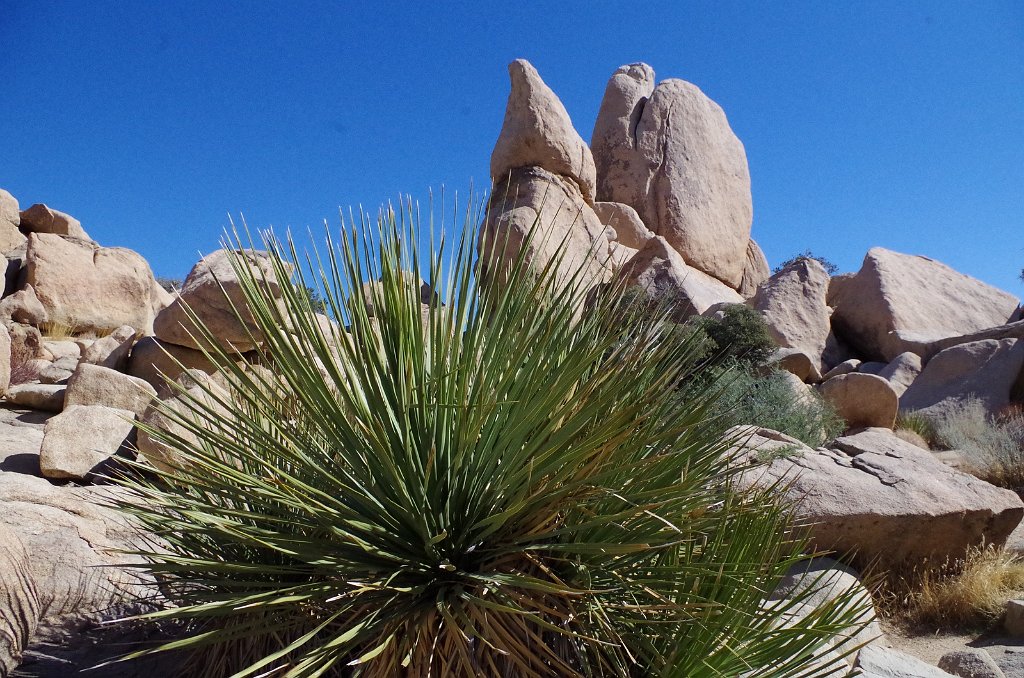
658	200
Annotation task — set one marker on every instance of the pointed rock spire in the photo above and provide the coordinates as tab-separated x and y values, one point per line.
537	132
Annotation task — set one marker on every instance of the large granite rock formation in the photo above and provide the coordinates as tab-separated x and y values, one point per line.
669	153
899	302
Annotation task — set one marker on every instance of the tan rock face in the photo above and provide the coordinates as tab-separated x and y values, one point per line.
755	270
629	228
157	417
670	154
19	602
621	170
660	272
73	545
902	371
112	350
985	370
793	305
5	359
45	397
897	302
96	385
866	496
210	290
10	237
41	219
862	399
548	215
156	362
81	438
24	307
89	288
537	132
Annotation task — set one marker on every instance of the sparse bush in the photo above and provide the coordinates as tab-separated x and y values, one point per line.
502	486
769	401
962	595
993	448
56	331
919	424
829	267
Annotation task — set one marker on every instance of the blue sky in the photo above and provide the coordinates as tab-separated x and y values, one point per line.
865	123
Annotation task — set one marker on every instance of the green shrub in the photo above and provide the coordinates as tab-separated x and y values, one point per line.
769	401
829	267
502	486
740	336
919	424
993	447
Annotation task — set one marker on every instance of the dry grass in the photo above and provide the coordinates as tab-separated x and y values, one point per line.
57	331
967	594
993	447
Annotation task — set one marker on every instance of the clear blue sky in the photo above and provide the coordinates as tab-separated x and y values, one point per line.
865	123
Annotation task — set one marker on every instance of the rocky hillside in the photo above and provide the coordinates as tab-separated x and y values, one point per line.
659	199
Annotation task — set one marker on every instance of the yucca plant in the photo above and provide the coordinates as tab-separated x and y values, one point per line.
498	483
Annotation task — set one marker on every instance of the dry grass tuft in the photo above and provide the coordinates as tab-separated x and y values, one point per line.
966	594
993	447
56	330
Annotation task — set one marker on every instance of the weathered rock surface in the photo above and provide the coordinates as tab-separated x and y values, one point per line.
112	350
42	219
157	362
620	170
755	270
96	385
984	370
630	230
85	287
19	604
661	273
827	580
970	664
548	215
5	359
902	371
797	362
150	447
79	440
669	153
881	662
793	305
209	291
867	495
898	302
1012	330
10	237
537	132
73	543
46	397
845	367
862	399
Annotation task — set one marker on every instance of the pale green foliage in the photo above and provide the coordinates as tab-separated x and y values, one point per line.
992	446
501	487
768	400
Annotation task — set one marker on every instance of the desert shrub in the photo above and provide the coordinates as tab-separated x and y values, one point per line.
967	594
993	447
829	267
502	486
739	336
768	400
919	424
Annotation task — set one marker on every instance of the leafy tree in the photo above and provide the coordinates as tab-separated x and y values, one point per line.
499	486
